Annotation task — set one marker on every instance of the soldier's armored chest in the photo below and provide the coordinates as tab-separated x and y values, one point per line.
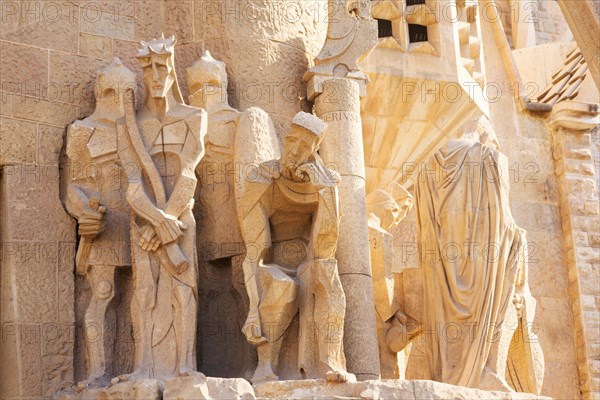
104	168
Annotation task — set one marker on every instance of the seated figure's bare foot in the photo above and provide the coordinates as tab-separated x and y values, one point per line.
138	375
338	375
264	373
185	371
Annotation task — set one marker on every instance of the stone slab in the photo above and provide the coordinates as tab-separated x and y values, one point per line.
381	389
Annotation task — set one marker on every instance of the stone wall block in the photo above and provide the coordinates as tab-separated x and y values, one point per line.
95	46
117	24
44	111
75	76
561	380
24	68
581	187
45	24
5	104
18	141
556	314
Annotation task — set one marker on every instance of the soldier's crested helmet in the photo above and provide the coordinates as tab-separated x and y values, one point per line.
206	70
114	77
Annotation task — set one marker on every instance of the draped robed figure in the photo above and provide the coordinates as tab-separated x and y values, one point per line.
471	256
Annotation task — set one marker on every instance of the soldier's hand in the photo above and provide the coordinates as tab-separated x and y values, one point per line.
169	229
90	221
149	240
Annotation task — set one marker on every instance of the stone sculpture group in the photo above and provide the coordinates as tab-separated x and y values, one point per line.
289	198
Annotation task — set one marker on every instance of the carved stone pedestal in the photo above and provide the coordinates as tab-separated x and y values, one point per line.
377	389
182	388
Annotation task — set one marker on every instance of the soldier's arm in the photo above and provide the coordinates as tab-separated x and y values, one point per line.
192	152
75	200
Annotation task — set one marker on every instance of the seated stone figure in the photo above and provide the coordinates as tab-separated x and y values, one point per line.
285	198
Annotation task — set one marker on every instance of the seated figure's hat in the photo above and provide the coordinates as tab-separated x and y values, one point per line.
311	123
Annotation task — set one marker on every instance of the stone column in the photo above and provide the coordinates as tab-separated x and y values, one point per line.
342	150
571	123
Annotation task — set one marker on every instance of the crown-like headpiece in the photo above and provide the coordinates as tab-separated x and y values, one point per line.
157	46
310	122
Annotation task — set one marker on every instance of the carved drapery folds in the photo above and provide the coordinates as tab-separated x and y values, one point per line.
478	310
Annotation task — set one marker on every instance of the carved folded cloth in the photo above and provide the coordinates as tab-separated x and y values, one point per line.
469	257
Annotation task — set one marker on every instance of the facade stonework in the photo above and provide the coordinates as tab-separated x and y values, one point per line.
229	199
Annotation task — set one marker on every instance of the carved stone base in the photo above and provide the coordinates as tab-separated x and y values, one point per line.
380	389
201	388
184	388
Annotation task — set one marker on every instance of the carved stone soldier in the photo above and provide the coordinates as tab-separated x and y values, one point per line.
291	196
220	231
95	196
386	209
165	141
220	245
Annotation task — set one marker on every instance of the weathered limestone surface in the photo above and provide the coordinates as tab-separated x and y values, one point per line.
192	388
380	389
183	388
47	73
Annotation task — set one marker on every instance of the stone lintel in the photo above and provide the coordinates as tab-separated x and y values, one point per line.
575	115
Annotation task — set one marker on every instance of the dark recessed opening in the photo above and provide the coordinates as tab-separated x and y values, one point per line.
414	2
417	33
384	27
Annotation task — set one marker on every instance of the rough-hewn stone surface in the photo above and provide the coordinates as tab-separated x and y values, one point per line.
375	390
577	187
49	51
